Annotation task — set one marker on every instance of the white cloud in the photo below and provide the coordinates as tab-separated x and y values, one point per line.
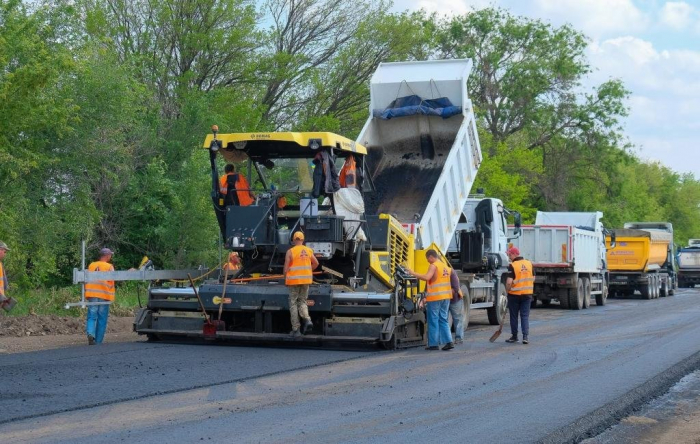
677	15
596	18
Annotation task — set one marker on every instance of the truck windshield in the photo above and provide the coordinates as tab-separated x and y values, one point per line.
289	175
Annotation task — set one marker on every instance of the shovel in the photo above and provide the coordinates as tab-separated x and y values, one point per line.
210	326
500	328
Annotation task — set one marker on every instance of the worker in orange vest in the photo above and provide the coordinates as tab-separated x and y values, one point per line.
438	295
99	291
233	264
7	303
520	286
299	264
243	196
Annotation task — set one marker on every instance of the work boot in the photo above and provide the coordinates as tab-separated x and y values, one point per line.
433	347
448	346
512	339
459	341
525	341
295	334
91	340
308	326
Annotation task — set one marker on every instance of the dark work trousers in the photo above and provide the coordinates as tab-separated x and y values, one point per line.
519	304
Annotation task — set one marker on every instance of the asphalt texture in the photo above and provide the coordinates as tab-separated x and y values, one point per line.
582	371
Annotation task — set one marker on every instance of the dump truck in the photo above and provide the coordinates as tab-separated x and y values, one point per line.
567	251
415	161
688	259
642	260
478	253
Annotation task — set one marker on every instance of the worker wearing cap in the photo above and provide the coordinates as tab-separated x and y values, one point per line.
243	196
6	303
299	264
438	295
99	291
520	286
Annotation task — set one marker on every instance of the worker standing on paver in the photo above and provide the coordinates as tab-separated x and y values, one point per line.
99	291
438	296
299	264
6	302
233	264
457	307
520	286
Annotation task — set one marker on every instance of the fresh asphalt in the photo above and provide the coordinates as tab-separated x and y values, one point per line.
581	372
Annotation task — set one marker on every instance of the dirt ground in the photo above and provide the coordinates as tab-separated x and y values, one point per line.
30	333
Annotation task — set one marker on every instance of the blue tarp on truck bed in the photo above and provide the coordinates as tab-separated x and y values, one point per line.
411	105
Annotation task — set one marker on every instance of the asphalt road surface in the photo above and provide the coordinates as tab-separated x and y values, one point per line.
581	368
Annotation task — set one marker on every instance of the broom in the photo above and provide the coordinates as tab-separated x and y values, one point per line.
500	328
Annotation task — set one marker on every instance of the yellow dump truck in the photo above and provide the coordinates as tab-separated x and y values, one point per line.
642	260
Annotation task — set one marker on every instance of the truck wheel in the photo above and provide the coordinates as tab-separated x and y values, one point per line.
576	296
546	302
601	298
500	306
586	292
664	289
646	291
564	298
533	304
672	287
657	287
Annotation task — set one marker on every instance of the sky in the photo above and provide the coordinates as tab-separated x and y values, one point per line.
652	45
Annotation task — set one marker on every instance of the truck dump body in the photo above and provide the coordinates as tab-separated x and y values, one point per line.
638	250
422	166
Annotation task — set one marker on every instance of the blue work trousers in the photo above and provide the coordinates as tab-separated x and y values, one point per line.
97	317
457	312
521	305
438	324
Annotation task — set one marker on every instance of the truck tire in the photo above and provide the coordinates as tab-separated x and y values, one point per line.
646	291
576	296
673	285
664	288
564	298
500	306
546	302
533	304
657	287
586	292
600	299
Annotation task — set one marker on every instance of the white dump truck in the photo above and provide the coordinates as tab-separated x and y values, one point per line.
688	259
567	250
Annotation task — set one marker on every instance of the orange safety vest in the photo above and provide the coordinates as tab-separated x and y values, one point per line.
348	174
2	280
524	282
100	289
439	287
300	272
242	188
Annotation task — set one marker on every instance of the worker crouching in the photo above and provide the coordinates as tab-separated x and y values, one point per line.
299	264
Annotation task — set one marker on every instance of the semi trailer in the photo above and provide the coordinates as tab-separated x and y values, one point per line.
688	259
642	260
415	159
567	251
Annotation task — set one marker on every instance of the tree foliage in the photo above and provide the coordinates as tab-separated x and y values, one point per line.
104	105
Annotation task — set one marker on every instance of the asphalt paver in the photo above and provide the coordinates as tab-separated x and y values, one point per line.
576	363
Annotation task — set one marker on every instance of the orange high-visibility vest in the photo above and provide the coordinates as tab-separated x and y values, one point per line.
242	188
439	287
2	280
348	174
300	271
100	289
524	282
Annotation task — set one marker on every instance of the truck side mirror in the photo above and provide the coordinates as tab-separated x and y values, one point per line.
518	222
